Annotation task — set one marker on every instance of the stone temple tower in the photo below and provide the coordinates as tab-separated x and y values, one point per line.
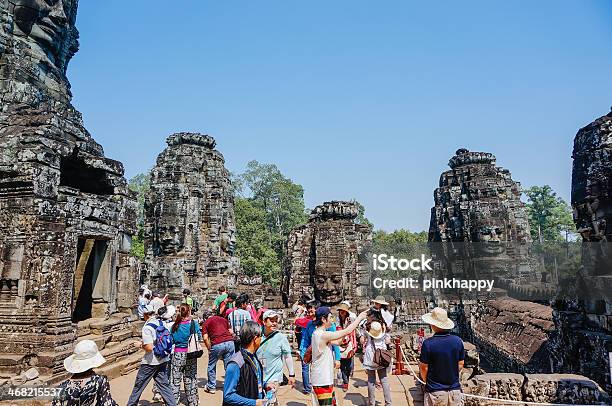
327	259
189	219
66	214
583	310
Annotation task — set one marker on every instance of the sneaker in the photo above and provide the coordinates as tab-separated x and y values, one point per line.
157	397
209	390
345	387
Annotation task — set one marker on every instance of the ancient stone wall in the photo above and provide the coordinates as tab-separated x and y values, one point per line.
512	335
542	388
326	258
583	309
66	214
189	219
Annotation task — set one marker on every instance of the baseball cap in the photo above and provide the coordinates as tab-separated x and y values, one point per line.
322	311
268	314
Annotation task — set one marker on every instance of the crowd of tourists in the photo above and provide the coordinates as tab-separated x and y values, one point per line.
256	354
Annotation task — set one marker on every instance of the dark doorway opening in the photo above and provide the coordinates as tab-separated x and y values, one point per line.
90	259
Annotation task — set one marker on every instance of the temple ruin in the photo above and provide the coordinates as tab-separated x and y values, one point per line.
583	309
479	229
66	214
189	219
326	258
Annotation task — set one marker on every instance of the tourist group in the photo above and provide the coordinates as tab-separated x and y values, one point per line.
255	353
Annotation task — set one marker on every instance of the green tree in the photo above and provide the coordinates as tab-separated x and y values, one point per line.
550	217
281	200
253	241
140	184
361	217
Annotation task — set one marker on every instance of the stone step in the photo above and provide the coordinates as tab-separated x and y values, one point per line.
114	351
119	321
100	340
121	367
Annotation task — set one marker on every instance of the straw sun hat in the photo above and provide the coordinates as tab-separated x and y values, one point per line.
344	306
85	356
380	300
376	330
439	318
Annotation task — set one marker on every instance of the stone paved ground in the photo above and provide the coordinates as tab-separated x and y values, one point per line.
356	396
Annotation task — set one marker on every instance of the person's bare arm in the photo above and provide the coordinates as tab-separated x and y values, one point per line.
330	336
423	371
147	347
206	341
460	365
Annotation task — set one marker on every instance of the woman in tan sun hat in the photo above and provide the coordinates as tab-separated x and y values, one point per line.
441	360
84	387
348	345
376	338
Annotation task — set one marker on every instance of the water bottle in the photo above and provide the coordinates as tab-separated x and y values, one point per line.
270	397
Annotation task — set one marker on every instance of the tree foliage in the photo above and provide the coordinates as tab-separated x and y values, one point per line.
140	184
253	241
361	217
279	203
550	217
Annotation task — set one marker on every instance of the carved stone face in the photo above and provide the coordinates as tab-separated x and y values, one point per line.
50	24
170	241
328	284
490	239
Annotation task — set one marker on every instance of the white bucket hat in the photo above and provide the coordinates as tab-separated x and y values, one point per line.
439	318
376	330
85	356
170	312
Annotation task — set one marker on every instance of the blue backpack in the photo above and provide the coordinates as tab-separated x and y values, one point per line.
163	340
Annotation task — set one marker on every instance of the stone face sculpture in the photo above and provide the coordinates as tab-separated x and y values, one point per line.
478	202
479	226
189	219
326	258
583	309
66	214
479	229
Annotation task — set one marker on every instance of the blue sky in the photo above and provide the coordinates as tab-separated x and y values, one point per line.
351	99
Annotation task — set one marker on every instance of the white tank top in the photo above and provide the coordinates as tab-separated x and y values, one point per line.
322	365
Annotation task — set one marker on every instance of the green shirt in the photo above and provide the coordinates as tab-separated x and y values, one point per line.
271	355
219	299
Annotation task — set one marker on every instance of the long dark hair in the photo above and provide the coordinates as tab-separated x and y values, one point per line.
184	311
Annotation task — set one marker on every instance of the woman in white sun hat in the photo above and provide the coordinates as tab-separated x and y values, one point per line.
376	338
84	387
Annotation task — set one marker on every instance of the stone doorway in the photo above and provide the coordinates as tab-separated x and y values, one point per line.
92	279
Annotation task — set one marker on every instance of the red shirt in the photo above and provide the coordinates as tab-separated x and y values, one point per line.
217	329
302	321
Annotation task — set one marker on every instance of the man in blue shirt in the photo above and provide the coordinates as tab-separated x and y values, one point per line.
441	360
244	384
306	340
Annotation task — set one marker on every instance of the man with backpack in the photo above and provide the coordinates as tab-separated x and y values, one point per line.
157	343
